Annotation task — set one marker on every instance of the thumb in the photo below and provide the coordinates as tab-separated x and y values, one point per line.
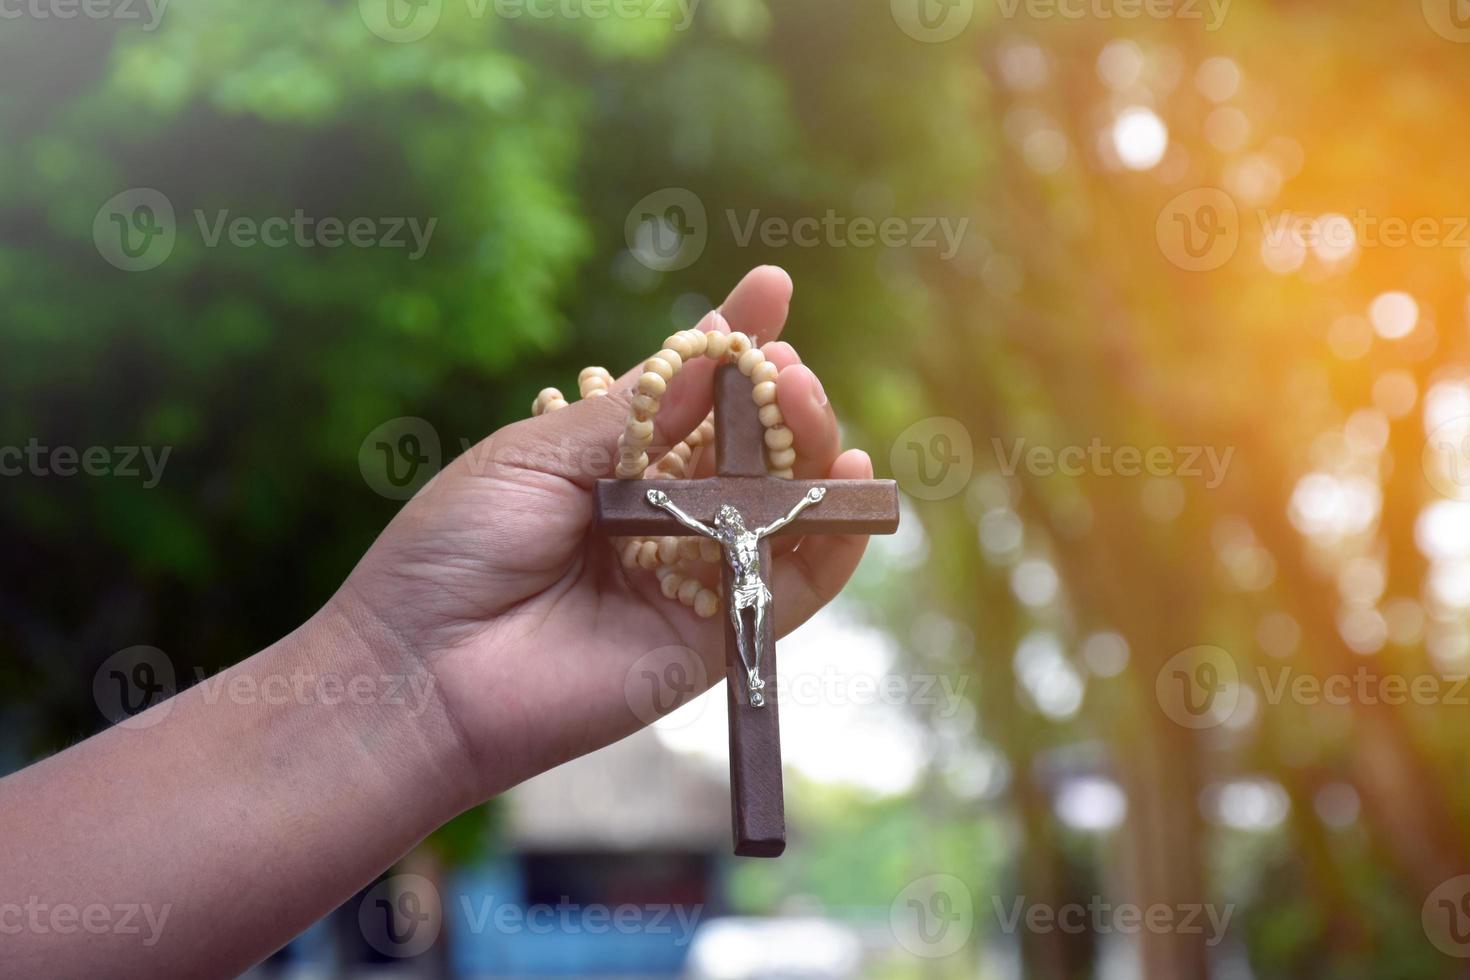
583	437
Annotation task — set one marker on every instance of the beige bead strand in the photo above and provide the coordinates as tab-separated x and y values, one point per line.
594	382
544	398
666	556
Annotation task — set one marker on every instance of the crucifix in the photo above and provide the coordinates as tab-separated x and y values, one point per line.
742	508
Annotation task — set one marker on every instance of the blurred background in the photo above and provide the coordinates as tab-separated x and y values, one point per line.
1156	309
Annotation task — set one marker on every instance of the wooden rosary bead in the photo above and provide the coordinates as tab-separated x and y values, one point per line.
669	584
644	407
688	591
750	360
639	431
633	470
739	344
779	437
706	431
668	550
631	548
679	344
591	371
764	371
781	459
706	603
689	549
675	361
673	465
782	474
697	343
716	344
764	393
648	555
553	405
657	365
652	385
770	415
542	397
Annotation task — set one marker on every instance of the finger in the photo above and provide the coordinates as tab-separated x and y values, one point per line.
781	354
809	577
813	424
685	402
757	306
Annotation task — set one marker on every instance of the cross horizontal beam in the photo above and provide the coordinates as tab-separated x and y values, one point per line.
850	506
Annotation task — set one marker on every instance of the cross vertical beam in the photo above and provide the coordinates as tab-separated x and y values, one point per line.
757	792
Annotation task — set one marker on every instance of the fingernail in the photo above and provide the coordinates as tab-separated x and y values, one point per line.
821	393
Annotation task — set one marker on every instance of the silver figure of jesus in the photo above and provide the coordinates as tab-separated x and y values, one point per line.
748	591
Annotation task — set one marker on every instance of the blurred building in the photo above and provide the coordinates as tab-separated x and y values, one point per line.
613	864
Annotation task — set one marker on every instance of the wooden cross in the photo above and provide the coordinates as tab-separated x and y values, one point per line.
757	807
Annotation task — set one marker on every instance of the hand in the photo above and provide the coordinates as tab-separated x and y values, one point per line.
494	577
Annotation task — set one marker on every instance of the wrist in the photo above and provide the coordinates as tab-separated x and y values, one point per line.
392	708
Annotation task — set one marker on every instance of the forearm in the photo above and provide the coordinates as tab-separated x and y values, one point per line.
253	804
